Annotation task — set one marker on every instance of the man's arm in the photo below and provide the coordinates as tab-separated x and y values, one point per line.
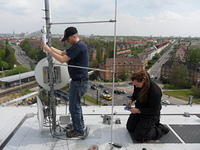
62	53
60	58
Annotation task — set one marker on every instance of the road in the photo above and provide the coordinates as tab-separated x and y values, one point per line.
155	70
173	100
120	99
21	57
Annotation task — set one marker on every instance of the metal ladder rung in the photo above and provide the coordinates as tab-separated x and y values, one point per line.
83	22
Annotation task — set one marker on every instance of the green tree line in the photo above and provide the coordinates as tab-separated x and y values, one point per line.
104	49
193	54
16	70
32	49
7	57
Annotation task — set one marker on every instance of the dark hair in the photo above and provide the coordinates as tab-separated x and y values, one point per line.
142	76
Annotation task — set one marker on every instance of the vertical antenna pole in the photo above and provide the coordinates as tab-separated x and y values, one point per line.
113	84
51	96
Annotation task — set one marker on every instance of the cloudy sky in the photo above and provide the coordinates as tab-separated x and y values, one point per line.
134	17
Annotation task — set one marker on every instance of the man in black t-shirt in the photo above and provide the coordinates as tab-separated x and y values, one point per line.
76	55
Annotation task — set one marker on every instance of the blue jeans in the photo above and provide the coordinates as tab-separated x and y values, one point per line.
76	91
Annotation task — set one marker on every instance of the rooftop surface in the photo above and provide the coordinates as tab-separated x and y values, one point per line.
184	134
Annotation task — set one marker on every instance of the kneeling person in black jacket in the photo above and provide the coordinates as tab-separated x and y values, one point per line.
144	120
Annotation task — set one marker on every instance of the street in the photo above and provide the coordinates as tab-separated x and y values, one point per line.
120	99
21	57
155	70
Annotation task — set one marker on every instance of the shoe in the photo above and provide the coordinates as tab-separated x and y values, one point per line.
74	133
163	128
69	127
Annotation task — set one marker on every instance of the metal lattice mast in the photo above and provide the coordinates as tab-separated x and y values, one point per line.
51	96
114	56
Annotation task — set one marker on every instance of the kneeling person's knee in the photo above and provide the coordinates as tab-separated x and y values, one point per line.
139	135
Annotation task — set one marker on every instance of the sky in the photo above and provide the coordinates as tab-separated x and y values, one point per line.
134	17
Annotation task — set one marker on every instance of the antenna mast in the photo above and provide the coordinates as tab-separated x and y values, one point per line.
51	95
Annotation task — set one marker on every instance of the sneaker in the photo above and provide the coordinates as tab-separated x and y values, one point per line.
74	133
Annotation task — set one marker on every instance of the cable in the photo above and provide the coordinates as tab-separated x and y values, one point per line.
67	144
81	67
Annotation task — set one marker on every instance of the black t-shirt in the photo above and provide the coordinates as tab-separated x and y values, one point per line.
152	105
78	53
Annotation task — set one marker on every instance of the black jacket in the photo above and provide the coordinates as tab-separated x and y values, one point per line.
152	106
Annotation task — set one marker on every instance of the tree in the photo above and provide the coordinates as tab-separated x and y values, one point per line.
124	75
25	45
17	70
7	52
11	60
179	76
193	54
196	91
156	56
4	65
2	54
176	46
7	58
32	49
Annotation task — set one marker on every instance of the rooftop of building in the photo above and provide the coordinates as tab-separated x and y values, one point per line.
184	131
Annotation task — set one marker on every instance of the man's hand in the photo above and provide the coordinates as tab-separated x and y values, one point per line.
45	47
134	110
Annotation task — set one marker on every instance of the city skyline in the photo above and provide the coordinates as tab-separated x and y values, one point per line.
135	18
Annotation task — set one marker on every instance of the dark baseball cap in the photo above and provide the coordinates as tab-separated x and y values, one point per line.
68	32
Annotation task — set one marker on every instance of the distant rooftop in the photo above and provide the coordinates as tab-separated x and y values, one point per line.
17	77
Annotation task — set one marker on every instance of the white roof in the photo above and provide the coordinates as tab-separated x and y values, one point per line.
17	77
28	136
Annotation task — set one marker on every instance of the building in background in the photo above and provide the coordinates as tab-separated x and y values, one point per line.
123	64
18	79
